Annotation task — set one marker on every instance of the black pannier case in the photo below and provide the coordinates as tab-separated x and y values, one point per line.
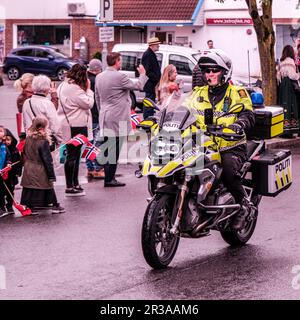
268	123
272	172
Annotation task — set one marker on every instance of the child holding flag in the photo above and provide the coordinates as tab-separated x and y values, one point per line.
14	172
4	160
38	176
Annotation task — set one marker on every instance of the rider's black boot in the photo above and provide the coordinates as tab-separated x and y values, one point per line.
239	220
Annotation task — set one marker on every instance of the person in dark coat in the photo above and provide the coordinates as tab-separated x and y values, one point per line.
153	72
4	161
15	171
286	74
38	176
94	170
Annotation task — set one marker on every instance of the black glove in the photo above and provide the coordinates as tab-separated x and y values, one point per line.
236	128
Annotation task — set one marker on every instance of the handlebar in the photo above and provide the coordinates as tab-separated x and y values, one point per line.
217	131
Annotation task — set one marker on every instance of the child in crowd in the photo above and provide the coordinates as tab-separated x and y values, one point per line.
38	175
4	160
15	171
168	84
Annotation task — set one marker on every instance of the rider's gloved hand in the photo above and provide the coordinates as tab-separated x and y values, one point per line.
236	128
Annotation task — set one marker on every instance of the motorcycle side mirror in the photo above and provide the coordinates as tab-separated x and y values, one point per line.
148	103
147	124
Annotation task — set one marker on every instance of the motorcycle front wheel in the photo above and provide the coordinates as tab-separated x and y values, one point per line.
158	244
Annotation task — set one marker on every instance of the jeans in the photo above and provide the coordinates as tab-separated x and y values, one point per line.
149	112
94	165
72	165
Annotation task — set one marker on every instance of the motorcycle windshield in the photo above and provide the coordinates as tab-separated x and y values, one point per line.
176	113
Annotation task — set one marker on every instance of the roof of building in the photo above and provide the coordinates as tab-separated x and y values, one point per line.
147	12
154	9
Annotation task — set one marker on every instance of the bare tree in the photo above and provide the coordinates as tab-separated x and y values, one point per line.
266	42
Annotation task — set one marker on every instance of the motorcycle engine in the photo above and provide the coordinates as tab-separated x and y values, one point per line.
191	217
225	198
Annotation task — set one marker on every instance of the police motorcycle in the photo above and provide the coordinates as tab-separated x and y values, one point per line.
188	198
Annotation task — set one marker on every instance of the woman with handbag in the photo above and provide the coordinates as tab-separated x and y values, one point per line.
287	77
75	102
38	105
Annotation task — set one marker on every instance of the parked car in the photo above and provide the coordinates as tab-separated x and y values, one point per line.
183	58
37	60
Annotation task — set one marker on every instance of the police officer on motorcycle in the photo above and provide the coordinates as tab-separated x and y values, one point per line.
219	94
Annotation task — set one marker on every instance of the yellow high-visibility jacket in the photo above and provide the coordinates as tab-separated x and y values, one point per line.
234	94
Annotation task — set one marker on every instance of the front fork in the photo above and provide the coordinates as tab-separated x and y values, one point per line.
184	190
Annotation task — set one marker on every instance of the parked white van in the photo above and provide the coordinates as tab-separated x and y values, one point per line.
183	58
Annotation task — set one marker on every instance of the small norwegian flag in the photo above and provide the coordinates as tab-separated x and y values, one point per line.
135	119
20	146
78	140
90	152
4	172
25	211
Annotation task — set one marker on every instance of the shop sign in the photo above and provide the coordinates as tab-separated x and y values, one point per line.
229	21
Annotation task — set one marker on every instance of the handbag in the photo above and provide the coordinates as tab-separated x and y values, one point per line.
79	130
73	129
54	144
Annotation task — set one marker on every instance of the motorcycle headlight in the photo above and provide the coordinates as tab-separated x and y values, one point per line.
162	148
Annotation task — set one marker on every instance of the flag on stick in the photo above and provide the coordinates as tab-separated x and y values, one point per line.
135	119
20	145
78	140
90	152
4	172
25	211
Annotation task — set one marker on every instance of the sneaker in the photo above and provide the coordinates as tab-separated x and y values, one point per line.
74	192
3	212
79	188
58	209
10	209
114	183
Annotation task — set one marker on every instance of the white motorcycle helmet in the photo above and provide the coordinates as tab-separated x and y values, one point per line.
216	58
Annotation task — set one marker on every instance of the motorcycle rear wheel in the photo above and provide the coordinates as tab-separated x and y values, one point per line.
158	244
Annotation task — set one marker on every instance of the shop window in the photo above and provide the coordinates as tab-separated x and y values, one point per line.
52	35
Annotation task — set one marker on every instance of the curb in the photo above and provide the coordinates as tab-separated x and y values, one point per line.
283	143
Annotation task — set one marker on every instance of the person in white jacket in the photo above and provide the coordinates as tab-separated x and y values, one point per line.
287	77
40	106
75	102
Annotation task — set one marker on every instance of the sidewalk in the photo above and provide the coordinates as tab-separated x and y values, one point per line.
277	143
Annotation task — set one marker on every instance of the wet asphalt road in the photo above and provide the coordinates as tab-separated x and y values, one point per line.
93	251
